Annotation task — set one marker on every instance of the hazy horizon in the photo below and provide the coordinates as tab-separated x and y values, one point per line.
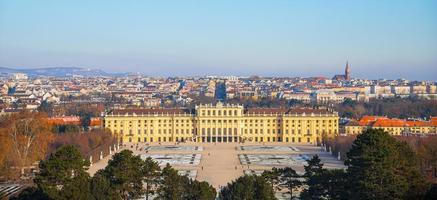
389	39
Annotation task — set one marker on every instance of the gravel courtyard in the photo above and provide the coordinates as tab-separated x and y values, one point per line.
220	163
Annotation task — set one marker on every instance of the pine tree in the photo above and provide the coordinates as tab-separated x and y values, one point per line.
248	188
151	174
101	187
124	173
313	179
272	176
289	179
171	186
63	175
379	167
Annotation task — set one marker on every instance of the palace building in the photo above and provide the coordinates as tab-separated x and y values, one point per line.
222	123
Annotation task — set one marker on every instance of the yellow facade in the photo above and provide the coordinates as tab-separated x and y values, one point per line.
222	123
354	130
394	127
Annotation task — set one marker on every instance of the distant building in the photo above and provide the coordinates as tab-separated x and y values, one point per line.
344	77
392	126
20	77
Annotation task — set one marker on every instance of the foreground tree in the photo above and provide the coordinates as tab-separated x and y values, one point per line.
248	187
151	174
289	179
171	185
176	187
101	187
315	187
196	190
335	182
379	167
124	173
63	175
272	177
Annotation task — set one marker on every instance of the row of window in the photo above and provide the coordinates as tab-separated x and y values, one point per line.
205	139
159	131
219	113
230	131
159	139
249	122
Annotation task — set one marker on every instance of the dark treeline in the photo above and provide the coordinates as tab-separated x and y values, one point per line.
378	166
425	149
390	107
63	176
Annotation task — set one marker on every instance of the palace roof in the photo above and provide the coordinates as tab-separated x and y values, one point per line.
151	111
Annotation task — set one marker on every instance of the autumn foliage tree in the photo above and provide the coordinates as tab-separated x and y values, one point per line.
25	138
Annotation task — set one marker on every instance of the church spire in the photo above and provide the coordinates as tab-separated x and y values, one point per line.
347	73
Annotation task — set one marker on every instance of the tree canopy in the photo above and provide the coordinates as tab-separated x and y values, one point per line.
380	167
248	187
63	175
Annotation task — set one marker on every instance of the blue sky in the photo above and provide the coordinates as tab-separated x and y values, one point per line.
381	39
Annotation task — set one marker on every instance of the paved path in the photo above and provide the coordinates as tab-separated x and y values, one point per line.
220	164
220	161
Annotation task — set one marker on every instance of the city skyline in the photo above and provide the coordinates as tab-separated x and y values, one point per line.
293	39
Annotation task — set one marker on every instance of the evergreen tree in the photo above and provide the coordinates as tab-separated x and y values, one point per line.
248	188
171	186
289	179
196	190
313	179
379	167
151	174
101	187
272	177
335	183
63	175
314	166
124	173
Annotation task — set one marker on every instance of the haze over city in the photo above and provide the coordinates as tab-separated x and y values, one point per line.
389	39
